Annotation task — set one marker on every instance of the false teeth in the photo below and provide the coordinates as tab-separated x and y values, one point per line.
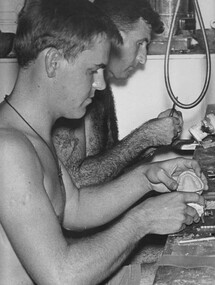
189	182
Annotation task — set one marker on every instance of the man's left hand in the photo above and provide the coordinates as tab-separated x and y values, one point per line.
163	175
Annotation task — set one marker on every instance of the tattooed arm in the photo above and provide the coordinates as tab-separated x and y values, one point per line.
91	151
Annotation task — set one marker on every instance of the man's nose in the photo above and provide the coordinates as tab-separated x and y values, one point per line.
99	81
142	54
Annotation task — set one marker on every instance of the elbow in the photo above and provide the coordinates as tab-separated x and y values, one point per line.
73	226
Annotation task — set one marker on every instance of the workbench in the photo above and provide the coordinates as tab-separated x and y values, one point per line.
189	256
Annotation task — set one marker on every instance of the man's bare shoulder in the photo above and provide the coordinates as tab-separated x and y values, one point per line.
20	168
18	154
11	139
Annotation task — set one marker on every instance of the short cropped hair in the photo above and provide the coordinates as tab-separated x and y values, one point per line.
67	25
125	13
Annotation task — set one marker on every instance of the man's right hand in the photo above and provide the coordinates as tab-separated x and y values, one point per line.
167	213
163	131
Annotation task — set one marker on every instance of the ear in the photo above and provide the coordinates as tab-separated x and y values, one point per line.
116	50
52	61
123	34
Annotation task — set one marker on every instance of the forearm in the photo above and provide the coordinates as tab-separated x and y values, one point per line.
107	165
101	204
100	255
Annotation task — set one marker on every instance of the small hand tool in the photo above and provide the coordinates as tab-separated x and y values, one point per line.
173	109
196	240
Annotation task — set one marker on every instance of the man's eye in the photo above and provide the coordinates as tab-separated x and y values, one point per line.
145	43
93	71
99	70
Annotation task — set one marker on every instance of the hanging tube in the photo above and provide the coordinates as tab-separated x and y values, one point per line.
208	60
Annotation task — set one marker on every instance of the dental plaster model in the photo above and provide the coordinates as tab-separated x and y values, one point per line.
189	182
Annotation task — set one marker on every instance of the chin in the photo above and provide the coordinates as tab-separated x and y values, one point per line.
116	76
77	115
126	74
120	76
82	114
123	77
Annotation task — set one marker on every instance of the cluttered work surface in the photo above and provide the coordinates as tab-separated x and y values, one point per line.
189	256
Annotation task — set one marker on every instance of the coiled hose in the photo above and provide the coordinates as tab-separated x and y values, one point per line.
167	55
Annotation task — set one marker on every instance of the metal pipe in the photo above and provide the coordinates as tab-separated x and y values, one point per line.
167	55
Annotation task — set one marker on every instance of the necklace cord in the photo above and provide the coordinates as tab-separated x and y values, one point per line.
54	156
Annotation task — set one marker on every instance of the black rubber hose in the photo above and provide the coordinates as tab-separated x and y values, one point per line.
167	55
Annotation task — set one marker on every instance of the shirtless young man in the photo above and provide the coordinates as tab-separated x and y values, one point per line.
62	47
90	148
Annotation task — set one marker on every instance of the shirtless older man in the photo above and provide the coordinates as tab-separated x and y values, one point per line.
62	47
90	149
